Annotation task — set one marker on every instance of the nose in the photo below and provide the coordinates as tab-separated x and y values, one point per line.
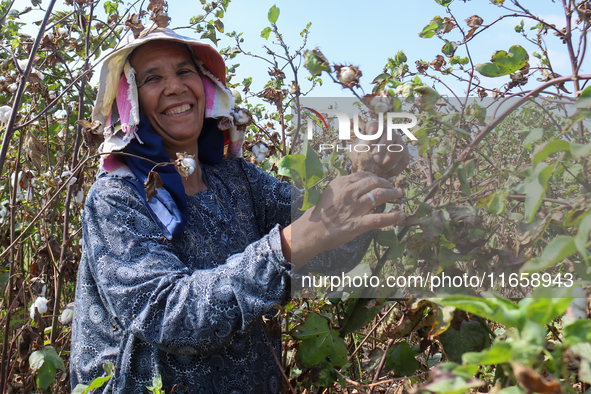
174	85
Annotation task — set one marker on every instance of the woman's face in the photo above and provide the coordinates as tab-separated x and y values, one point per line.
170	92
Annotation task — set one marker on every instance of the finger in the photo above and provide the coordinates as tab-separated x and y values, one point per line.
379	220
379	196
370	183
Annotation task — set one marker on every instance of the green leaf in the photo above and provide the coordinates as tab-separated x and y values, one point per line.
444	3
583	234
534	135
273	14
98	382
472	337
498	354
315	62
584	100
577	331
45	375
449	48
464	185
558	249
401	359
579	150
535	190
44	364
219	25
498	202
319	342
504	63
494	308
433	27
549	148
390	239
265	32
543	309
311	197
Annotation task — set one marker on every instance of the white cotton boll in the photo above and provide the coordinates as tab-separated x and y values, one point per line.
62	31
14	182
3	213
79	197
263	149
60	114
72	181
29	194
52	94
49	35
66	174
37	74
190	165
12	87
43	289
347	75
41	305
379	104
261	157
23	64
5	111
67	314
255	150
242	117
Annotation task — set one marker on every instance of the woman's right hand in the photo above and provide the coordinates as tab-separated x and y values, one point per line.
343	212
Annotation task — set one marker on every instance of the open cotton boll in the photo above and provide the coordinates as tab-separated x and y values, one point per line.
255	150
261	157
5	111
79	197
12	87
22	64
379	104
41	305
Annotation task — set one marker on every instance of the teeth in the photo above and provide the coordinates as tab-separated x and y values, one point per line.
179	110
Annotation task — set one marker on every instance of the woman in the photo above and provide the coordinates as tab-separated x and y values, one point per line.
176	284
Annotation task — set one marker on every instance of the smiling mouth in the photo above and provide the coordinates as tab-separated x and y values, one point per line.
178	110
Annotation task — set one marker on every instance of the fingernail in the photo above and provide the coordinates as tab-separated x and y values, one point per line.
376	158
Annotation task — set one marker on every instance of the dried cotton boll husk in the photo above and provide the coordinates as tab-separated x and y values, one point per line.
185	164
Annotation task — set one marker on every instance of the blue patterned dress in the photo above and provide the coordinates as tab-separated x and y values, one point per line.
189	308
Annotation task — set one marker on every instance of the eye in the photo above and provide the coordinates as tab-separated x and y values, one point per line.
185	71
151	78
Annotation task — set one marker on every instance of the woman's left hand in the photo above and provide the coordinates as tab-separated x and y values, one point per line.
384	160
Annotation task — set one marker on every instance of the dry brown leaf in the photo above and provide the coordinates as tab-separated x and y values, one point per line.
34	150
534	382
438	62
89	127
134	23
162	20
153	183
156	5
474	21
449	24
471	32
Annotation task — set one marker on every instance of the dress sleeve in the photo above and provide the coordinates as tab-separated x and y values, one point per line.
272	198
157	298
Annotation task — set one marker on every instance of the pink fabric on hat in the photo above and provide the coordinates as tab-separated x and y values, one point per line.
123	103
211	97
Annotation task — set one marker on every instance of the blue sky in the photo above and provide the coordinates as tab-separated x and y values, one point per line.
364	33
